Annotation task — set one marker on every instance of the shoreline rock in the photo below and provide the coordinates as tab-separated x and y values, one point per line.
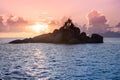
67	34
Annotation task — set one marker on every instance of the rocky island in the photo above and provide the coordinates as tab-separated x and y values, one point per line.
67	34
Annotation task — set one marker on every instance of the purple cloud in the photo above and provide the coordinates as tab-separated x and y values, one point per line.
97	22
118	25
2	26
13	24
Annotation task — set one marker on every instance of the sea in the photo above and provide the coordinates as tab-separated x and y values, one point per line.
46	61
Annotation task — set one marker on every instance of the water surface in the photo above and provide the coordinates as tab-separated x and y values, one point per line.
41	61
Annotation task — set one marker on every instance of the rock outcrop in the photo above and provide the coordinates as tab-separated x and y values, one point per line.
67	34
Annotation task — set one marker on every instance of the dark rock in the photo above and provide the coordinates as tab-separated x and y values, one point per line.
83	37
96	38
16	41
67	34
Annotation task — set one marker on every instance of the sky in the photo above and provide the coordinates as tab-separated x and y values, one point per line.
21	16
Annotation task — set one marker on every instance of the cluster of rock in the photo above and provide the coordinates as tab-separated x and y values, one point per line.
67	34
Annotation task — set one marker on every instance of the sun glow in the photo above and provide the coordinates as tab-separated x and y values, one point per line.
40	28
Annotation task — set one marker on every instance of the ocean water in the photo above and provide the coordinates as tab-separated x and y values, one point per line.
41	61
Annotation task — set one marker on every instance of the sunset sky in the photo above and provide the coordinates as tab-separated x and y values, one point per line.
26	18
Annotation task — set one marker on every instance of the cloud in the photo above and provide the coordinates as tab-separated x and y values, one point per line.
118	25
16	23
97	22
13	24
1	21
56	24
2	26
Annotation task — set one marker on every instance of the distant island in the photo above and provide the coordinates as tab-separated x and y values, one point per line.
111	34
67	34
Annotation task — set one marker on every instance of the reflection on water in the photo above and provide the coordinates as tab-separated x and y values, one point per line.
60	62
